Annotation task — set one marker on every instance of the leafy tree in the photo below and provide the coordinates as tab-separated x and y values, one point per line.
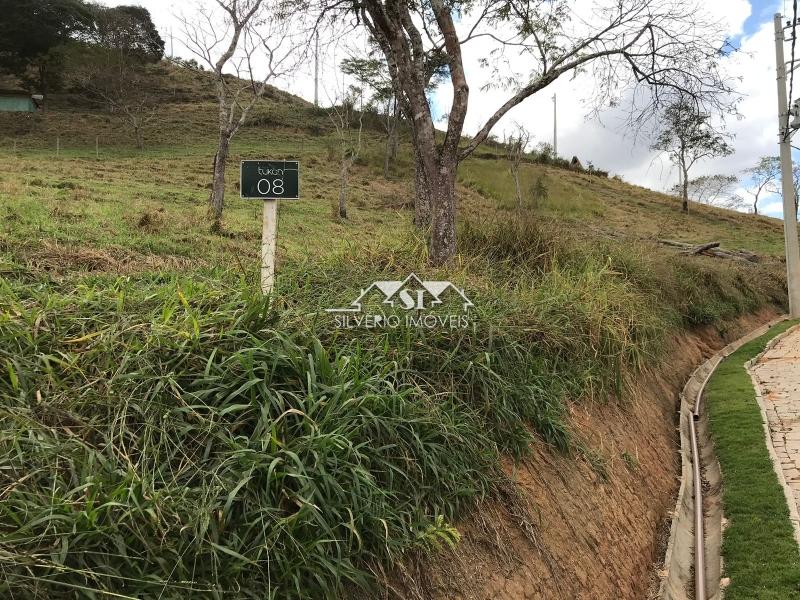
764	177
372	74
687	136
539	191
545	152
665	47
128	31
33	34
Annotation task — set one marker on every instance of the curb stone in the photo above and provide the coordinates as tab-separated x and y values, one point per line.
788	493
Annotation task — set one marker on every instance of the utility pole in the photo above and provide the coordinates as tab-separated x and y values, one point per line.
555	129
789	214
316	70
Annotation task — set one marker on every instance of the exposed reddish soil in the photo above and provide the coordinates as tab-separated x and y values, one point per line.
591	536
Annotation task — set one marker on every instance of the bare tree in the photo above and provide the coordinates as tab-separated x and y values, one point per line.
664	45
796	183
687	137
124	91
732	202
763	177
343	114
714	190
116	65
137	110
516	145
246	44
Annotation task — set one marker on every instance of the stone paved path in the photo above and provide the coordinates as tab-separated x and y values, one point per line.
777	374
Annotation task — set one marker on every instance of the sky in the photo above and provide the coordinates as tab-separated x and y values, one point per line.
603	141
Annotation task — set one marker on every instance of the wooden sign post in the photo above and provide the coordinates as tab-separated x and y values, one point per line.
269	235
270	181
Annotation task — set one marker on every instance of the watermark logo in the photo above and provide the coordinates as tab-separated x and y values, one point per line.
411	302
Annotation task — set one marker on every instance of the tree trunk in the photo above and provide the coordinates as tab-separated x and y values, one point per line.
387	159
343	190
422	197
515	175
435	163
443	225
685	206
217	200
391	144
395	137
755	205
139	137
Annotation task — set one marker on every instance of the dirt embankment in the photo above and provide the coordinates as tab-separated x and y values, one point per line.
600	519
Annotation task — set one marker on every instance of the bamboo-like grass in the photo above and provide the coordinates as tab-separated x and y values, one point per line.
174	435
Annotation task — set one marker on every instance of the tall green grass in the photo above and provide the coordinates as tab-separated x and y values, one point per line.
173	444
167	436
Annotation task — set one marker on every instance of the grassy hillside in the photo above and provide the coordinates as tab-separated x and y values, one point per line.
165	431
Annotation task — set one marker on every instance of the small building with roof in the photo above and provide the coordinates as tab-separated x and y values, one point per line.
16	100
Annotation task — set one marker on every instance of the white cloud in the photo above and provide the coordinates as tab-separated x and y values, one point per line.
604	140
756	131
732	13
773	208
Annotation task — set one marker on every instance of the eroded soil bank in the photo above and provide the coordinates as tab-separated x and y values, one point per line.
599	516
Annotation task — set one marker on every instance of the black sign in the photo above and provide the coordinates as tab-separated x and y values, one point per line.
270	179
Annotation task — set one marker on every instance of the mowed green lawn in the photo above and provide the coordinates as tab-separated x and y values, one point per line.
760	554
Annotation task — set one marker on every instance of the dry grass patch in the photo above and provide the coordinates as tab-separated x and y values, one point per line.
62	259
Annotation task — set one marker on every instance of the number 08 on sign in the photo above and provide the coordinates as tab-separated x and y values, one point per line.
270	181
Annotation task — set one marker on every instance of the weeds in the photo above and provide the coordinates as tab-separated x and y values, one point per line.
186	446
631	461
163	436
597	462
